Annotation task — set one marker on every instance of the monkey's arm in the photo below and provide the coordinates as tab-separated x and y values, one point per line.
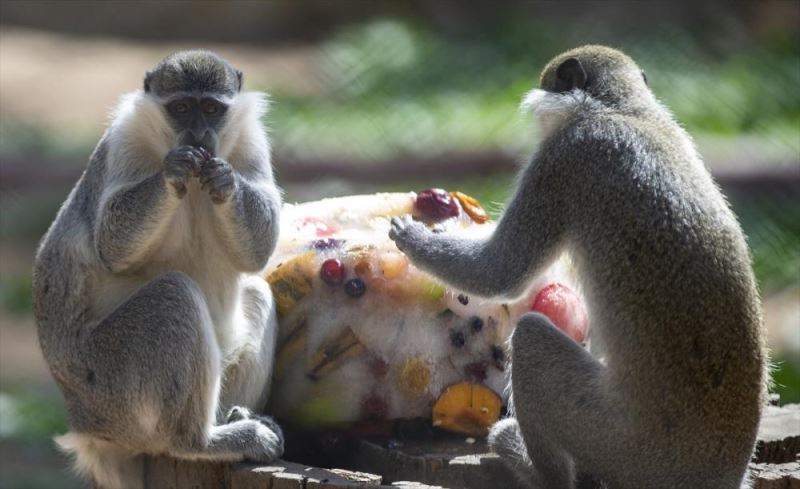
246	213
133	219
527	238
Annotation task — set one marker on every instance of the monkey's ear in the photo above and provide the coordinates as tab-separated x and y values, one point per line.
570	75
147	78
240	78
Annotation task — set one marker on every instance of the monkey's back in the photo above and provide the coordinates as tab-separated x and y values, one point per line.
64	271
671	292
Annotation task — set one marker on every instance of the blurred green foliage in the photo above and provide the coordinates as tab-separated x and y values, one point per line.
15	294
395	88
31	415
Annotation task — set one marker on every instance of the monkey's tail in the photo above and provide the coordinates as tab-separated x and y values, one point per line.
109	466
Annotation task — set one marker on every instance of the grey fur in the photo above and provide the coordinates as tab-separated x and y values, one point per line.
667	276
193	71
146	314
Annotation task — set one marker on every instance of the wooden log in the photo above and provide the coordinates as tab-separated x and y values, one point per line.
776	476
444	462
779	434
167	473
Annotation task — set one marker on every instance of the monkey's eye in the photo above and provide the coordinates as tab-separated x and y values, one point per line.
211	108
644	77
179	108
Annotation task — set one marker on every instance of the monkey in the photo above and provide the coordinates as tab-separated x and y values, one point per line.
672	396
150	313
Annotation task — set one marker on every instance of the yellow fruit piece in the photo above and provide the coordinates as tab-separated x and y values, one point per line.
291	281
472	207
333	352
415	376
467	408
392	264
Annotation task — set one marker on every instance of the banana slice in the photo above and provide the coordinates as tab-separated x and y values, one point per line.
333	352
291	343
291	281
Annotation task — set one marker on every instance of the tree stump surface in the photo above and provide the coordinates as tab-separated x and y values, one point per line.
453	463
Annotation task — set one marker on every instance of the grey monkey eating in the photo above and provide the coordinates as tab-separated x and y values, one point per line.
668	281
150	315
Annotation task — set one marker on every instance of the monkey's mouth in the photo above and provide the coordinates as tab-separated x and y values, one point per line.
208	142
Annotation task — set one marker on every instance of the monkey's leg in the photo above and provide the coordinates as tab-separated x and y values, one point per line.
506	440
249	366
249	371
560	403
153	379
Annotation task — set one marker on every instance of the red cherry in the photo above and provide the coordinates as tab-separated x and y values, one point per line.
565	308
316	226
436	204
332	272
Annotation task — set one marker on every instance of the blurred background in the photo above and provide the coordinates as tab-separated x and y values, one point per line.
379	95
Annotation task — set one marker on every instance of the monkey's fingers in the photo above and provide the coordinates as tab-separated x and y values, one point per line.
222	193
217	178
397	227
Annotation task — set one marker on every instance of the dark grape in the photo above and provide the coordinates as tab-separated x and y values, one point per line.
355	287
476	324
326	243
476	370
436	204
458	339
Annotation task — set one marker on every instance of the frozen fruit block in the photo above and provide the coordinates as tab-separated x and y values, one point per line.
407	334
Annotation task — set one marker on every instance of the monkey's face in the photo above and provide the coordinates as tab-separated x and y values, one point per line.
197	120
195	89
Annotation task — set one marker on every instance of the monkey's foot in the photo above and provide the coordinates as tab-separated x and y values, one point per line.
239	413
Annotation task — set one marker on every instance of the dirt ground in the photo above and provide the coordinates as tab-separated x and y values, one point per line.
58	69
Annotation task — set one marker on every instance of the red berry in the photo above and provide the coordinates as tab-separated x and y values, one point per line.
436	204
565	308
332	272
374	407
315	226
476	370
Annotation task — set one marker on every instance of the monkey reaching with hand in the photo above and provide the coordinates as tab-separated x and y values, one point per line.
149	314
668	281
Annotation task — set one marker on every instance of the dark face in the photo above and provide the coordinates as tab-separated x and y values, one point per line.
195	88
197	120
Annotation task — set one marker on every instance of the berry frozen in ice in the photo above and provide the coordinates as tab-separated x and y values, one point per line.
499	357
436	204
327	244
458	339
475	324
316	226
355	287
476	370
332	272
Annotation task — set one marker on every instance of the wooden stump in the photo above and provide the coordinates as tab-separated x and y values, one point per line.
451	462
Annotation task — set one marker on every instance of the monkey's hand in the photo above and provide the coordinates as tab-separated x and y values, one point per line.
181	164
410	236
217	176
